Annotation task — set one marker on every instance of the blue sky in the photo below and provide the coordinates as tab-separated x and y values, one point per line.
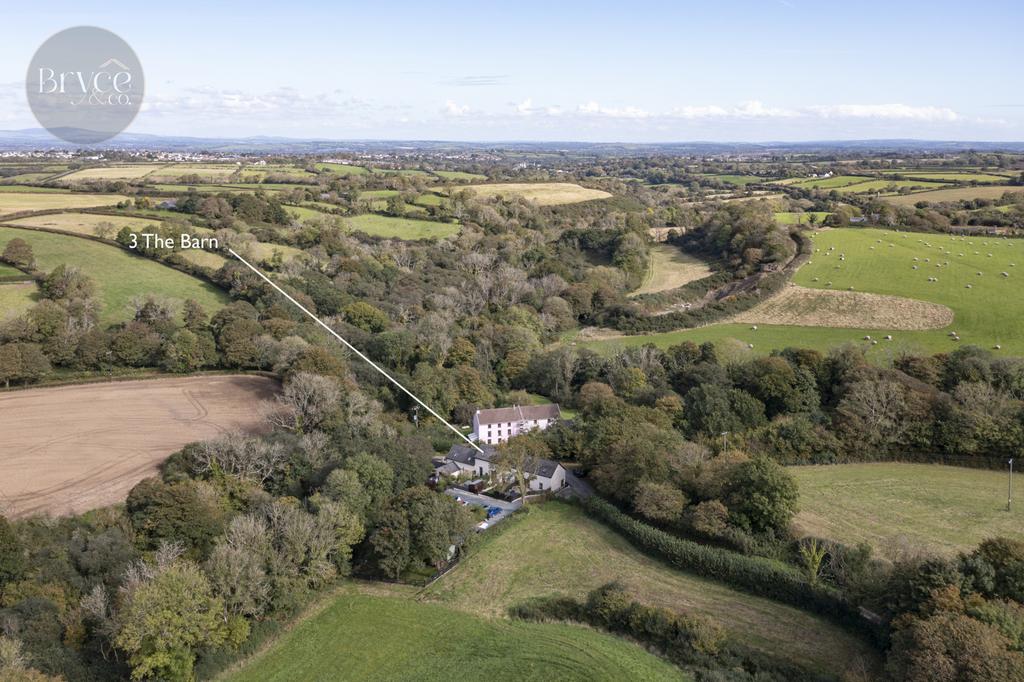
597	71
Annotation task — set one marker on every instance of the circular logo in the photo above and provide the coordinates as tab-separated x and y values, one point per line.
85	84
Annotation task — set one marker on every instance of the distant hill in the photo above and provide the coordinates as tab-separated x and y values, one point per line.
38	138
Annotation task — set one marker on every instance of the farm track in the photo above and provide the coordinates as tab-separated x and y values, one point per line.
72	448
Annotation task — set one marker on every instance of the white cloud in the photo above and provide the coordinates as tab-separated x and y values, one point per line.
453	109
283	102
592	108
751	109
885	111
525	108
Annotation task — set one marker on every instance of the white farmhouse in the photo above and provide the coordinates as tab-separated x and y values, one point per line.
501	423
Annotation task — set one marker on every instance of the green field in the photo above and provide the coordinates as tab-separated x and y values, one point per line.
990	312
798	218
412	172
205	259
429	199
119	275
378	193
28	189
27	178
401	228
829	183
218	188
459	175
385	635
926	506
303	212
11	271
558	550
342	168
738	180
890	186
949	176
17	297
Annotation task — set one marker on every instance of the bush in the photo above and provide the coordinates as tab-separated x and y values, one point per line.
755	575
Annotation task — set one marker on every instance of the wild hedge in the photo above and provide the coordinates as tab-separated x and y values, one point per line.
687	640
756	575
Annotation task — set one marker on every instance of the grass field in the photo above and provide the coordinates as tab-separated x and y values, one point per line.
401	228
459	175
16	297
890	185
988	313
128	172
557	549
429	199
119	275
214	171
829	183
791	218
949	176
806	307
670	268
380	633
926	506
9	270
542	193
303	212
83	223
16	202
265	250
954	194
738	180
25	178
29	189
204	259
342	168
412	172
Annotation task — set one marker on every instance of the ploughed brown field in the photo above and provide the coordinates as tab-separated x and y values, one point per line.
68	449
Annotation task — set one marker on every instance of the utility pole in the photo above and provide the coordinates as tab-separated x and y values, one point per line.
1009	486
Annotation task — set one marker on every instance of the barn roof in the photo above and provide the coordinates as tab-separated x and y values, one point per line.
501	415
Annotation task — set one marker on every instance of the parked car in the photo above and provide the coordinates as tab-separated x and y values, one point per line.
493	511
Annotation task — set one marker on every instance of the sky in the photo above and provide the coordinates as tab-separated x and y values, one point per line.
766	70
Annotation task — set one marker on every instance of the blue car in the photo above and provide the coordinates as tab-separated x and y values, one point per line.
493	511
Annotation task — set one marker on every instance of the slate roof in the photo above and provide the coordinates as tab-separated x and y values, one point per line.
448	469
501	415
545	468
464	454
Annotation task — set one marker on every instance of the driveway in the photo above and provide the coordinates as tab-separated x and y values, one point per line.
577	487
485	501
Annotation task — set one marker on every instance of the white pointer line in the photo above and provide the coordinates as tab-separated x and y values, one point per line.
356	350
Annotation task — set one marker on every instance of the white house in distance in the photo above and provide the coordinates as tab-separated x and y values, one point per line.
497	425
545	474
